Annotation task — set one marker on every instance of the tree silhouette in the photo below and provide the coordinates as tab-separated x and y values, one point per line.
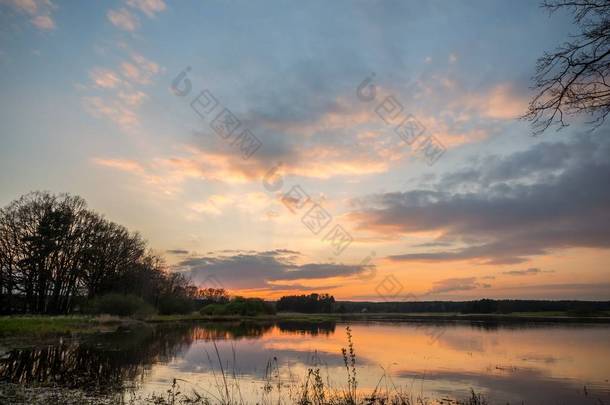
54	251
572	79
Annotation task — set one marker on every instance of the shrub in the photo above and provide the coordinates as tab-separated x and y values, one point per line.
240	306
120	305
214	309
175	305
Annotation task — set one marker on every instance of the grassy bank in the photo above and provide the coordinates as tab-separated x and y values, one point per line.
42	325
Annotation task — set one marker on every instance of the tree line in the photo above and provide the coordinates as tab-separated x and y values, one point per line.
312	303
55	254
482	306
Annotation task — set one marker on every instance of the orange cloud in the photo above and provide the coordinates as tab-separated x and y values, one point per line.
121	115
104	78
501	102
124	19
120	105
148	7
169	174
133	98
120	164
217	204
144	70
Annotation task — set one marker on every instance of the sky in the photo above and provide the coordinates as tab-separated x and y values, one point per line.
368	149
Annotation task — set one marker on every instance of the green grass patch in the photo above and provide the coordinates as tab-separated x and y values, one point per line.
42	325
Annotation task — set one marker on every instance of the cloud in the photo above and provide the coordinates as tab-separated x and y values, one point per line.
165	182
132	98
218	204
314	125
501	102
140	69
115	111
526	272
121	164
148	7
104	78
454	112
318	128
456	284
262	270
506	209
122	95
27	6
168	175
340	135
601	289
123	19
43	22
39	11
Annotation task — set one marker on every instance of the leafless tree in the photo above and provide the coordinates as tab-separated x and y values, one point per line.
572	79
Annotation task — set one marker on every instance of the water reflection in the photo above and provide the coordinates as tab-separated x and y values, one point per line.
307	328
106	362
101	363
508	363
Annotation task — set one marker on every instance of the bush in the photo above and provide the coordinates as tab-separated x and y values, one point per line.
175	305
240	306
120	305
214	309
582	309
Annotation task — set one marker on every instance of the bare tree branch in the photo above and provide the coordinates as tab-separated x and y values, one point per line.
572	79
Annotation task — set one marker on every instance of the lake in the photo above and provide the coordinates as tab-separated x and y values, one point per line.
534	363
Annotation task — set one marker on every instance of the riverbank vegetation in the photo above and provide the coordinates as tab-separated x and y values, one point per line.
54	325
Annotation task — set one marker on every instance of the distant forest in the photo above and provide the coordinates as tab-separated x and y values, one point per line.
312	303
324	303
484	306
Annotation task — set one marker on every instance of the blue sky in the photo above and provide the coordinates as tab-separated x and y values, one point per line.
87	108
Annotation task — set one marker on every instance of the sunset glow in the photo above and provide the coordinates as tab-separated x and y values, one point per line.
104	100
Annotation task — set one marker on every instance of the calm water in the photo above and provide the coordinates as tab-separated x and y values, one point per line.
538	364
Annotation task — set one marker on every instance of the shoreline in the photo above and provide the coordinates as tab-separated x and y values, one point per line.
390	317
11	326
